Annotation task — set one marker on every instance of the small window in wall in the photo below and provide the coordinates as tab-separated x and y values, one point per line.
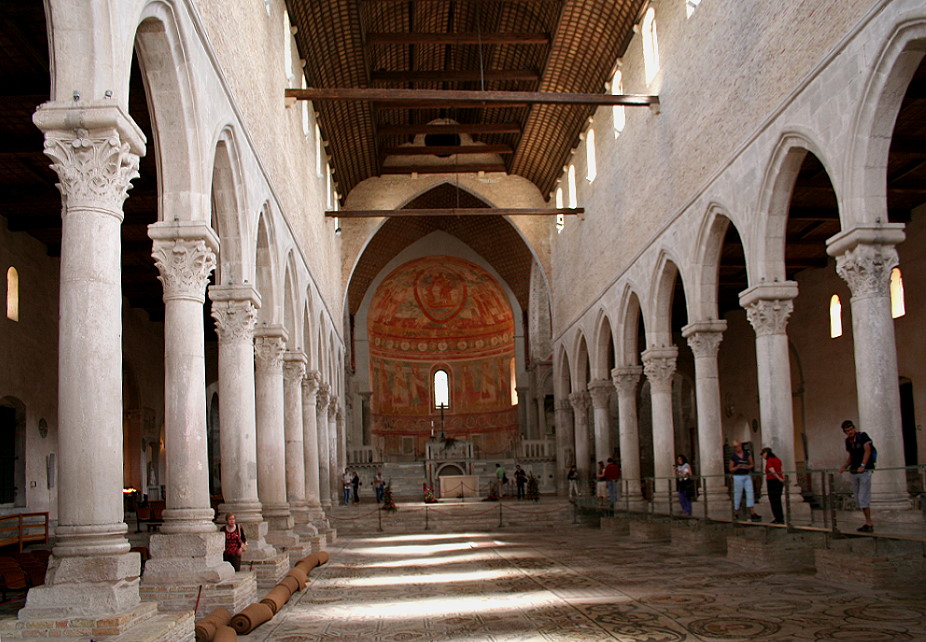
328	186
571	185
897	299
306	123
617	111
318	149
12	294
690	6
650	45
560	219
288	50
441	384
835	317
591	164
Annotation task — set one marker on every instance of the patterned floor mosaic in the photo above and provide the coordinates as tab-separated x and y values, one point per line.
574	584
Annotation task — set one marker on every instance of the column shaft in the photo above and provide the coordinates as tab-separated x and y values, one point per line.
659	366
310	441
600	391
580	402
293	374
625	380
324	458
565	443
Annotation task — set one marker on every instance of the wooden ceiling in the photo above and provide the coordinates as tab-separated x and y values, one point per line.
417	61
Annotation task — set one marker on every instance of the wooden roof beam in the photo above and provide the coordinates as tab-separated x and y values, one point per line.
455	76
454	128
443	98
452	211
446	150
444	169
461	38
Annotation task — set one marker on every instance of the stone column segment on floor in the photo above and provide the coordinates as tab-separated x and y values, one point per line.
95	149
865	256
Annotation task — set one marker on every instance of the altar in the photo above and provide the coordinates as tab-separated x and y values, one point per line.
455	486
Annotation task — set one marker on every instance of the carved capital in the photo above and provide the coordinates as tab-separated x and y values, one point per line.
310	386
769	316
705	344
659	366
234	320
293	367
600	391
580	400
867	269
321	399
268	352
332	407
95	168
626	378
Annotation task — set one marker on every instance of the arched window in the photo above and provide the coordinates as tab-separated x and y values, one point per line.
835	317
560	219
897	303
318	149
591	165
617	111
650	45
441	384
12	294
288	50
571	185
513	373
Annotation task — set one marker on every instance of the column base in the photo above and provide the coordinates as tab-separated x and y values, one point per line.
86	587
144	622
233	594
258	547
269	570
183	558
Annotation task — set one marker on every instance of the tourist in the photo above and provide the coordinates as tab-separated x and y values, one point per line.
573	478
612	478
355	486
860	462
684	484
379	485
235	542
741	465
346	480
774	484
520	479
502	478
601	486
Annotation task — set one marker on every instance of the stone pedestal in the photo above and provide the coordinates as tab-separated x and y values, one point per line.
184	558
234	593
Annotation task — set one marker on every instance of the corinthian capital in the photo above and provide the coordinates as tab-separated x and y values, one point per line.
321	399
626	378
768	306
865	256
600	391
659	365
704	337
184	252
310	385
294	366
333	407
580	400
96	161
234	321
269	346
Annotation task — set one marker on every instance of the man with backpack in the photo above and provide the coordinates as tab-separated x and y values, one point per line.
860	461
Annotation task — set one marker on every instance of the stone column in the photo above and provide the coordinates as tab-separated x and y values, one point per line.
600	391
234	308
768	306
625	380
310	443
659	367
580	402
293	374
269	346
704	339
324	458
189	547
865	256
525	425
541	413
334	460
565	443
95	151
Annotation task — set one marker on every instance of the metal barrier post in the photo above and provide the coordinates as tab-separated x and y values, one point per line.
787	504
832	504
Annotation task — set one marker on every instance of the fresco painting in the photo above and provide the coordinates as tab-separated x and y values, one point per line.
441	312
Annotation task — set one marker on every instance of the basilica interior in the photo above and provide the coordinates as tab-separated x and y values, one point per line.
253	248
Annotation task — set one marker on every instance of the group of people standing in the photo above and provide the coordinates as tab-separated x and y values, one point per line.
502	481
350	483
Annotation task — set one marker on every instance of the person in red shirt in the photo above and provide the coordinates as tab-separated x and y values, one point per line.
774	483
612	476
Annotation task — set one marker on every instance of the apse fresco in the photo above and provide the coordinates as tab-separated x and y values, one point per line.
441	312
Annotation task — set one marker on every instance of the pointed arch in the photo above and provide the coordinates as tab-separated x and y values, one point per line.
603	351
663	289
706	278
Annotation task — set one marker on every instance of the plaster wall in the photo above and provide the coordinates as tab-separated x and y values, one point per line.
29	354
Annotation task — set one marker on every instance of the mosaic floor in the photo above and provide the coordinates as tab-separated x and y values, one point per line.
573	583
